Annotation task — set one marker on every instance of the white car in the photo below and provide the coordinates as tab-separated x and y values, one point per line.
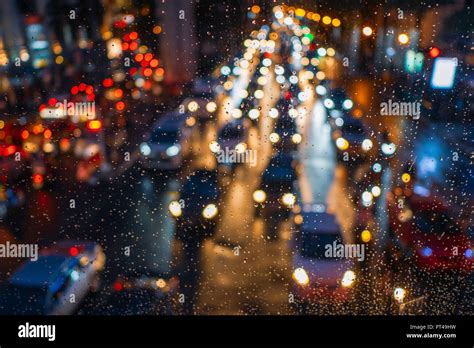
55	283
319	274
168	143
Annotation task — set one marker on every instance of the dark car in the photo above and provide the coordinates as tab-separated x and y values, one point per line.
140	295
198	206
428	230
353	139
285	127
275	196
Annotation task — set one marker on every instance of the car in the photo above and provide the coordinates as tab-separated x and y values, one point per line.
428	231
201	105
289	137
317	277
140	295
198	205
90	160
11	170
204	85
68	270
336	101
353	139
231	135
275	198
168	143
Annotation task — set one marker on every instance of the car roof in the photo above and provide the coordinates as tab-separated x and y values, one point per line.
320	223
63	247
171	120
203	175
204	180
40	272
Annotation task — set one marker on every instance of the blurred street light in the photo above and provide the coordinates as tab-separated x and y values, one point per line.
367	31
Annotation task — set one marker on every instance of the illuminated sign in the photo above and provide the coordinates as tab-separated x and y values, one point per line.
444	70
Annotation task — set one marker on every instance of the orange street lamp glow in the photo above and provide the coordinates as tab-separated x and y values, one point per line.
367	31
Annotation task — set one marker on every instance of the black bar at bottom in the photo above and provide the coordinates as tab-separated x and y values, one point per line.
291	330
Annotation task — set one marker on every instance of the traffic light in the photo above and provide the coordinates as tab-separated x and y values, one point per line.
413	61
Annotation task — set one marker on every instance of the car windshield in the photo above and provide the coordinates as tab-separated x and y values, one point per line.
231	133
354	130
314	245
354	127
164	136
200	185
434	222
278	173
32	299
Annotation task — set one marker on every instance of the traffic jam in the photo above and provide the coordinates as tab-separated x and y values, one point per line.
321	166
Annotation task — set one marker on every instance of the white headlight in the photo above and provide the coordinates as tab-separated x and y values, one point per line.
296	138
342	144
211	107
376	191
300	276
259	196
399	294
210	211
172	150
175	209
347	104
321	90
236	113
193	106
214	146
254	114
388	149
280	79
274	138
367	198
279	70
348	279
273	113
289	199
145	149
293	113
328	103
259	94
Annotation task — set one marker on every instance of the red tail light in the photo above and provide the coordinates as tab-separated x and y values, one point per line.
73	251
118	286
9	150
94	125
38	179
